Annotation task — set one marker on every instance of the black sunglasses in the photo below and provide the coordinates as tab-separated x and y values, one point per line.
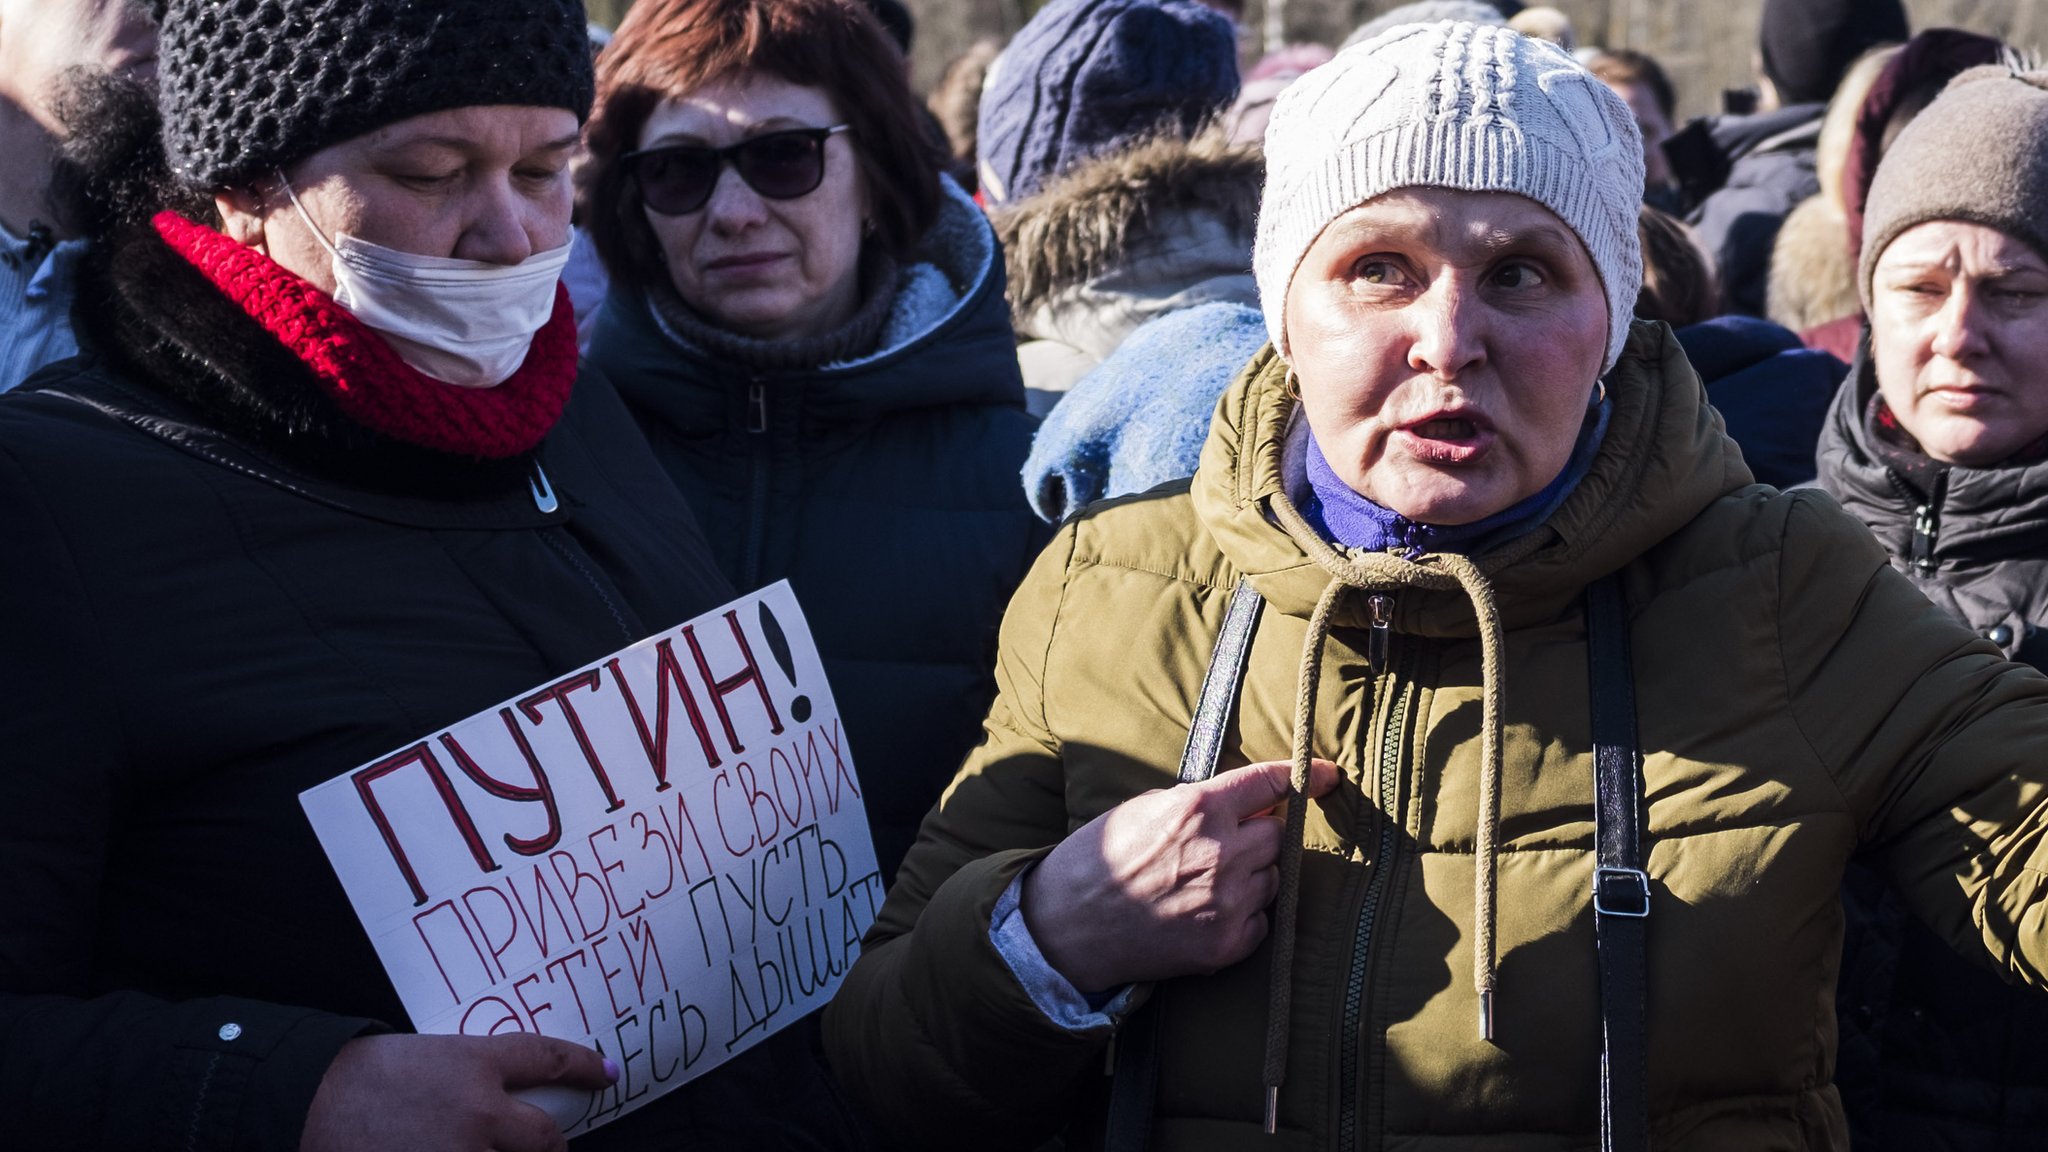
678	179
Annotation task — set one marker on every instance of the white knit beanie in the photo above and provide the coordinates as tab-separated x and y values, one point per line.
1453	105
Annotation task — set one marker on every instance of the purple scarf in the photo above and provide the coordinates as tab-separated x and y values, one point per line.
1344	517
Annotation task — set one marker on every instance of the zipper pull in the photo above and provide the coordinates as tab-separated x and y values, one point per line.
757	407
40	244
543	492
1923	537
1382	606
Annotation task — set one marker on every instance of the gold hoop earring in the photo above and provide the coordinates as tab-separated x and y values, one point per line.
1599	392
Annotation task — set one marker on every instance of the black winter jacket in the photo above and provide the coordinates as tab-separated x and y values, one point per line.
1982	537
1938	1054
210	607
1748	173
886	490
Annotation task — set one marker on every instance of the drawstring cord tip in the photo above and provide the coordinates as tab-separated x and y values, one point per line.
1486	1016
1272	1110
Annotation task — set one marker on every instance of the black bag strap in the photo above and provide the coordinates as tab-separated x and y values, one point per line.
1135	1081
1621	888
1221	684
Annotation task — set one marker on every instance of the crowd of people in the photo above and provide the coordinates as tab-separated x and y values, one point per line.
1400	596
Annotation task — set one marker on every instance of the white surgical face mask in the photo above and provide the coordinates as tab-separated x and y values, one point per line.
463	322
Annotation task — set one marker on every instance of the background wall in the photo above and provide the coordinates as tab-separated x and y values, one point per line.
1705	44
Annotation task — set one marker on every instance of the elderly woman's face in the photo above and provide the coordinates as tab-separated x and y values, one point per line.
484	183
772	269
1959	337
1447	344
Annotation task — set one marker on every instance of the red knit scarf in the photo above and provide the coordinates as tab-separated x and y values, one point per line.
366	378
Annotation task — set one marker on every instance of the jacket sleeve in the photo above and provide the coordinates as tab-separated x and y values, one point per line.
80	1067
1939	744
931	1032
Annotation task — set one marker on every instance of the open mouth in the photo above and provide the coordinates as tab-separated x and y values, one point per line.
1446	428
1449	438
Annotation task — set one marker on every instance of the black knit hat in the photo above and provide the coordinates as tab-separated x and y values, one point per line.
253	85
1808	45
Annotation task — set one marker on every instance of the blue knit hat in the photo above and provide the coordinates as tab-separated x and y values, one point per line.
1085	76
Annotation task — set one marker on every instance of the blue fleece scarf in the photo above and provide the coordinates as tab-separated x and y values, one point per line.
1347	518
1141	417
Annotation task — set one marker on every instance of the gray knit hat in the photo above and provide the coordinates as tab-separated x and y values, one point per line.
1453	105
1979	154
252	85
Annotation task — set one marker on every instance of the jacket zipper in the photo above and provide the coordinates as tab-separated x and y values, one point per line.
1382	606
543	491
565	546
1926	519
757	507
1392	737
1924	530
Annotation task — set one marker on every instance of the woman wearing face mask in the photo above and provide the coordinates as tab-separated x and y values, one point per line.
323	481
1522	739
809	323
1939	442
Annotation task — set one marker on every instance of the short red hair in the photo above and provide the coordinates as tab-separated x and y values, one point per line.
668	48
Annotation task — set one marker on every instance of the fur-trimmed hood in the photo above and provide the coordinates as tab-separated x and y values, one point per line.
1135	231
1813	279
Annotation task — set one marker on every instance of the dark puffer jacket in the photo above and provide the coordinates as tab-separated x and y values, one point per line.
1772	392
1985	544
1746	174
1937	1054
211	609
884	489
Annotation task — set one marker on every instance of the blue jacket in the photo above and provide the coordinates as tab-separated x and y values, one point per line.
1772	391
884	489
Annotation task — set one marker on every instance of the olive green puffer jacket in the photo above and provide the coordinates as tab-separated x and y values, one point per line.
1796	699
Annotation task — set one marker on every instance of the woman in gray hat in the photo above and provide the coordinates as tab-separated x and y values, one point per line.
809	325
323	481
1939	442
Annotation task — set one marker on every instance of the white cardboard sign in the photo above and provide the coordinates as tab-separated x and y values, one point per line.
663	855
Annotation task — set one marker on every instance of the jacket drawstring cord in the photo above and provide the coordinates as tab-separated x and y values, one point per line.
1486	850
1436	572
1280	986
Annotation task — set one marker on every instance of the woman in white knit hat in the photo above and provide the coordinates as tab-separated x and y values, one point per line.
1520	738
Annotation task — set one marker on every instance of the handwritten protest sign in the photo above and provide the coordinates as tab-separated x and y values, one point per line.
663	855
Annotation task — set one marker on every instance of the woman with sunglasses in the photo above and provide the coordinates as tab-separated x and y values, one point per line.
808	321
324	479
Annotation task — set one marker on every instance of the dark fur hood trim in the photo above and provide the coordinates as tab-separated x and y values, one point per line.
1089	221
159	323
